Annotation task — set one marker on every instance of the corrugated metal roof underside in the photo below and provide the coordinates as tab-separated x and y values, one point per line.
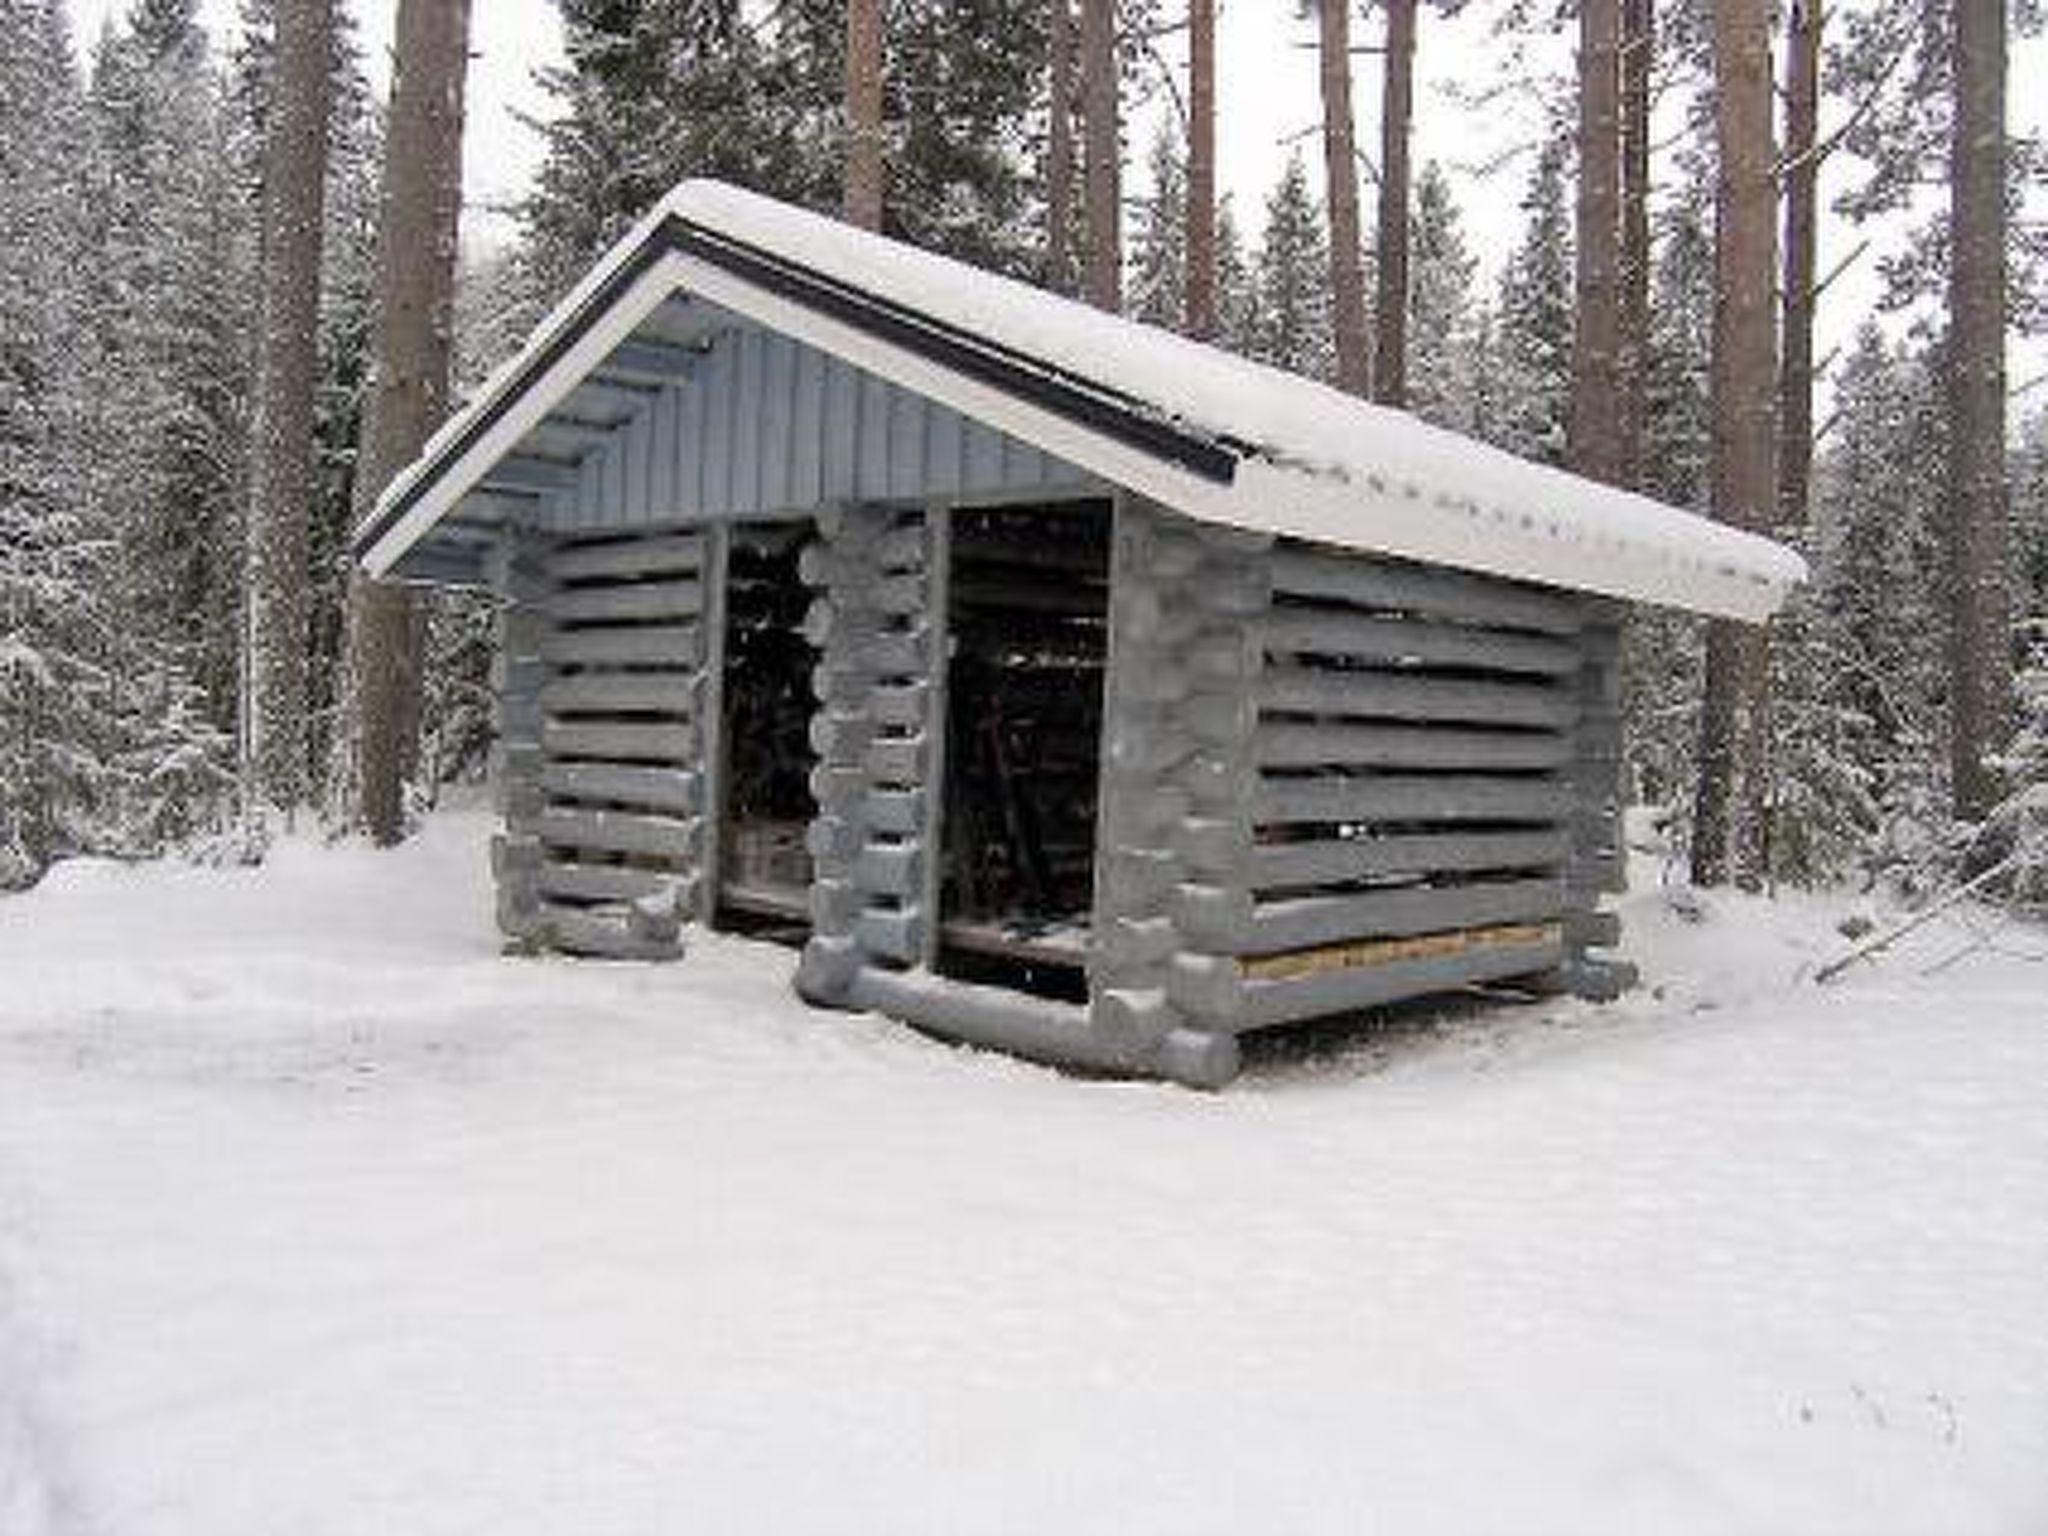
701	414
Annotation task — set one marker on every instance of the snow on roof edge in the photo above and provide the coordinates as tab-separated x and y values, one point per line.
1326	465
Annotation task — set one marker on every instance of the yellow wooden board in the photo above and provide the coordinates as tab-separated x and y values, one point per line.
1297	963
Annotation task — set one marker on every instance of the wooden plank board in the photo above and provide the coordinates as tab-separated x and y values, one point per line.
1390	695
1332	631
619	832
621	741
1284	744
1297	963
652	788
1420	798
648	599
682	553
1331	860
621	693
603	882
657	645
1379	584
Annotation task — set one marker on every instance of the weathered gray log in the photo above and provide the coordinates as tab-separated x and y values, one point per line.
900	704
900	653
898	594
1336	632
894	933
609	882
641	600
608	935
656	645
1378	584
1284	744
620	832
894	869
641	556
655	788
1136	943
841	735
1209	988
622	693
1278	865
1387	695
1039	1029
650	741
897	812
897	759
838	786
834	904
1227	920
834	838
1389	797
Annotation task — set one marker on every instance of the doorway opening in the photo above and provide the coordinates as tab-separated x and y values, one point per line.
1028	616
764	865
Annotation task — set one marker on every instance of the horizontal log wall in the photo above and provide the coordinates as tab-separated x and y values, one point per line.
604	726
1316	757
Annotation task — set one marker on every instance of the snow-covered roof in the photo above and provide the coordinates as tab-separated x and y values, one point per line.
1196	428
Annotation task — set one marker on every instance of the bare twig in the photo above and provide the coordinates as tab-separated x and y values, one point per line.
1890	936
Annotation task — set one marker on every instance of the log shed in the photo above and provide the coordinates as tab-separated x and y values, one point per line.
1059	684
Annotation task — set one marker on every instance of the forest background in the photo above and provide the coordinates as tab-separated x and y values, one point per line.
1547	223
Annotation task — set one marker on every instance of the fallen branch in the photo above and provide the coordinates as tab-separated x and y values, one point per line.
1927	914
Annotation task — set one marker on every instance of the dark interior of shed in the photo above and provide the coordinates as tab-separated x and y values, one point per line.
766	869
1028	611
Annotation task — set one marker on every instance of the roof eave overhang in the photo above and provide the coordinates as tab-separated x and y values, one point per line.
1094	427
1098	429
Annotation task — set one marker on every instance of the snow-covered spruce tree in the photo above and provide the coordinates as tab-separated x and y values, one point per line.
169	365
1878	558
2021	823
56	729
1534	319
1236	300
1291	321
1156	289
1440	373
963	100
650	91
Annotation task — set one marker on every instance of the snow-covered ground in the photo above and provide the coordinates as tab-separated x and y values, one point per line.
317	1216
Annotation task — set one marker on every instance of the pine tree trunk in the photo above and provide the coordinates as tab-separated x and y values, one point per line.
281	473
864	113
1059	148
1729	817
1981	687
1340	166
1390	317
1796	286
419	213
1201	220
1593	445
1104	154
1638	53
